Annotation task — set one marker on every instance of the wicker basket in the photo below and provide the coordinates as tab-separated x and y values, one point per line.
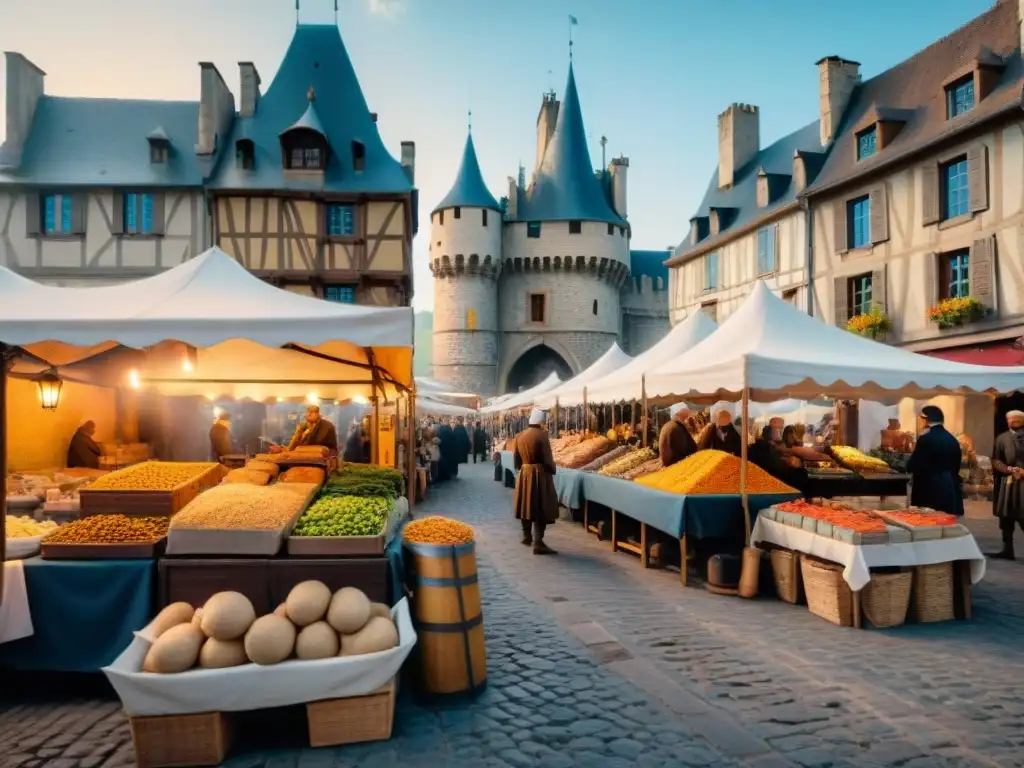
351	720
933	592
786	570
181	740
828	595
886	598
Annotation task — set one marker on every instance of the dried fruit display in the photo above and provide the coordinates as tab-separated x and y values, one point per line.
152	476
27	528
437	530
110	529
245	507
857	520
603	461
647	468
853	459
913	517
629	462
712	472
585	452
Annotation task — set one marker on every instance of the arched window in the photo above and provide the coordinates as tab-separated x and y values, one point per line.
595	306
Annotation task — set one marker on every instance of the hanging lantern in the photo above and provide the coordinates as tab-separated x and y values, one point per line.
49	390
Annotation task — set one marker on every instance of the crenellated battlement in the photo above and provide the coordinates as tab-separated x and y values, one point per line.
611	270
460	264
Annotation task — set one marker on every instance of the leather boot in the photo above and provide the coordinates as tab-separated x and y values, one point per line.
1005	554
540	548
527	538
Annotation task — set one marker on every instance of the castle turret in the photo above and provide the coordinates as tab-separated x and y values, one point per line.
465	259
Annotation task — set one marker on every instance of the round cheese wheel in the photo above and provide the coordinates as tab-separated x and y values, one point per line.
379	634
317	641
307	602
218	654
270	640
174	651
379	609
171	616
227	616
349	610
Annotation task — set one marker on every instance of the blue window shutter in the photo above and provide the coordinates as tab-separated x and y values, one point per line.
50	214
65	214
131	224
147	214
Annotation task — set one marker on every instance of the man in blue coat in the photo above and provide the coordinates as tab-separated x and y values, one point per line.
934	466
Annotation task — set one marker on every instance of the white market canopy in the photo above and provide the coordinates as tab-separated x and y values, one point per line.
626	383
778	351
426	406
433	388
240	336
526	397
571	392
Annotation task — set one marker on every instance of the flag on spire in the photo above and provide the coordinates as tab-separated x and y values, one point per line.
572	19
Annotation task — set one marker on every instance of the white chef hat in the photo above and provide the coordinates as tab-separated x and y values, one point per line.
673	410
1015	415
537	417
722	405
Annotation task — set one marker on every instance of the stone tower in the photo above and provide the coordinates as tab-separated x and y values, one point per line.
465	259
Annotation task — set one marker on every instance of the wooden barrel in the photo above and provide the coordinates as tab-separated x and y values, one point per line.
448	617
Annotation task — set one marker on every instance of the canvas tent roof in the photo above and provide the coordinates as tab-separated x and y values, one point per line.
426	406
526	397
571	392
624	384
239	326
433	388
778	351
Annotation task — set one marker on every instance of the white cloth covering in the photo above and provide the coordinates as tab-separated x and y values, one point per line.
857	560
238	689
15	615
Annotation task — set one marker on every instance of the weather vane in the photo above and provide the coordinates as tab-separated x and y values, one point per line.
572	23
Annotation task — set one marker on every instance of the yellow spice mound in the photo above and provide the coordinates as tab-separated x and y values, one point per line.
152	476
712	472
438	530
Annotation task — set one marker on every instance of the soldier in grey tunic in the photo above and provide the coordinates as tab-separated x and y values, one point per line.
1008	471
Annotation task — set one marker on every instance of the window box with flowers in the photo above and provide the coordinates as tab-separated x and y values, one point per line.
956	311
873	324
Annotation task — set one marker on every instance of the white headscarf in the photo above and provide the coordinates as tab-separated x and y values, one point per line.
537	417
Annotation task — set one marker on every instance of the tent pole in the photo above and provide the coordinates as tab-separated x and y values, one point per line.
555	420
751	563
5	357
586	421
410	456
375	425
643	400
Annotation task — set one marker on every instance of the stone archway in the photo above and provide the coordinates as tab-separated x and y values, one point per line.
535	365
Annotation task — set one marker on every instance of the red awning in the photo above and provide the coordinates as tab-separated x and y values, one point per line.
995	353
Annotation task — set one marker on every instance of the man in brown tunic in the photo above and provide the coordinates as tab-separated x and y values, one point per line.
536	501
315	430
675	442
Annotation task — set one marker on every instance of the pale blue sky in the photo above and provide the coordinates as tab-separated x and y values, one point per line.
652	74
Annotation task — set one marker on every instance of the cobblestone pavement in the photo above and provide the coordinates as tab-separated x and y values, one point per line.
596	662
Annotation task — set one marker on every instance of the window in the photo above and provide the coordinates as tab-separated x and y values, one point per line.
138	214
533	229
960	97
622	231
245	154
789	296
955	274
471	319
341	220
595	306
484	216
711	271
710	308
858	222
57	214
457	212
340	294
866	144
953	179
860	294
766	249
304	150
538	306
575	227
440	219
159	151
358	155
611	229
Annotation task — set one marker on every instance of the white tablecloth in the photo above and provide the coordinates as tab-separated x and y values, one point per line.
859	559
508	461
15	618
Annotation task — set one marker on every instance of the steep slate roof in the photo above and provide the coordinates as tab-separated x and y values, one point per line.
913	91
75	141
315	58
649	263
469	189
741	197
566	187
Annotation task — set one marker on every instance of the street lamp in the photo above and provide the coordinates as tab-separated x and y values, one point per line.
49	385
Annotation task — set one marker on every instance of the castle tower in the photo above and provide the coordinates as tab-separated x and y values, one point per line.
566	254
465	259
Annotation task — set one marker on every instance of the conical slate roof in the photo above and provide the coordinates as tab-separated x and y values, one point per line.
566	188
469	189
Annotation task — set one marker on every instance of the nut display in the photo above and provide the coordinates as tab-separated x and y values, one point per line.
437	530
647	468
858	461
245	507
630	461
585	452
26	527
712	472
109	529
152	476
608	458
344	516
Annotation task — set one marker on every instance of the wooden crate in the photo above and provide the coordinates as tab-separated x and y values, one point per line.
149	503
370	574
181	740
194	581
349	721
337	546
141	550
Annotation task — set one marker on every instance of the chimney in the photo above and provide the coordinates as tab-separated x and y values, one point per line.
836	80
409	160
546	119
216	108
512	207
618	169
250	80
24	87
739	139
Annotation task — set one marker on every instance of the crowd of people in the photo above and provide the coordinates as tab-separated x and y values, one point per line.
446	443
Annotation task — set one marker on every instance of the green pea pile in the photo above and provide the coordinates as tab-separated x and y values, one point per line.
344	516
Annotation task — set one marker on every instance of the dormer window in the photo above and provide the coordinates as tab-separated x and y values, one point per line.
245	154
960	96
867	143
305	158
304	145
159	147
358	155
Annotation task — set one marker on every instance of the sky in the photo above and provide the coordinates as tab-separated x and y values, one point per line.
652	74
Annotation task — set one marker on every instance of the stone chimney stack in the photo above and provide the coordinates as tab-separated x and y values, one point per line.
546	119
409	160
836	80
512	207
25	83
250	80
618	168
216	109
739	140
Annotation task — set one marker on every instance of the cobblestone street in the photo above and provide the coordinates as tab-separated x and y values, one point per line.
596	662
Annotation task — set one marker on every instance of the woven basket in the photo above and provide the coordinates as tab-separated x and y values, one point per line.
180	740
828	595
886	598
933	592
786	571
352	720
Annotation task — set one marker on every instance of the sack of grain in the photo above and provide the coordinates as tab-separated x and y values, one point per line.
313	475
247	476
263	466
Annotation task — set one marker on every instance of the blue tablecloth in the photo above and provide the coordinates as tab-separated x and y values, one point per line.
703	516
394	555
568	482
83	612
